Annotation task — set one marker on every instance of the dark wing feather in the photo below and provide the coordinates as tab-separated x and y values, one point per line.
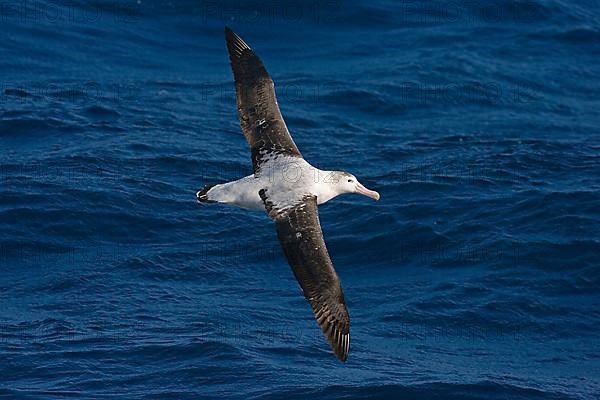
260	117
300	235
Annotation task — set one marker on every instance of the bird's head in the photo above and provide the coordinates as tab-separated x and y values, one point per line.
347	183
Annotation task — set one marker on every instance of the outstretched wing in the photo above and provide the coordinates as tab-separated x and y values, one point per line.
300	235
259	114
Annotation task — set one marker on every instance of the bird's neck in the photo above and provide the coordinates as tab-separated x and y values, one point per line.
326	188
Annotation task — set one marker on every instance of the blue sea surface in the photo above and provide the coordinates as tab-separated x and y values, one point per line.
477	275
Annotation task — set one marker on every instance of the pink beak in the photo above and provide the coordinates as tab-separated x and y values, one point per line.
366	192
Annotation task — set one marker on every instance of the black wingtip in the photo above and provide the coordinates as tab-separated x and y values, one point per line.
235	44
339	342
247	67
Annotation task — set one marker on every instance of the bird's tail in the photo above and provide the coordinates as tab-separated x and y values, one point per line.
202	195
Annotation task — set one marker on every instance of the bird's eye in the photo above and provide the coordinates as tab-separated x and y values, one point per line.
350	181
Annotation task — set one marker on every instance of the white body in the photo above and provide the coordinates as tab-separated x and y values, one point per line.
287	180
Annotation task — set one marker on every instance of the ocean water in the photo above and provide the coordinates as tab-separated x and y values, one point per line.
477	275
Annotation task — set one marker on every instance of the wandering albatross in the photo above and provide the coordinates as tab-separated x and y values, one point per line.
289	189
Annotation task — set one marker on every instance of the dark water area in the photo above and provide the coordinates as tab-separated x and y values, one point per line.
477	275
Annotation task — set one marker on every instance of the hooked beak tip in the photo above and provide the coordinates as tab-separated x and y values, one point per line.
367	192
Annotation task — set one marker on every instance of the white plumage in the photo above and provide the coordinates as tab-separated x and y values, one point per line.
289	189
287	180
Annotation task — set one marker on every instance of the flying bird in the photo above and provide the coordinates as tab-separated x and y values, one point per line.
285	185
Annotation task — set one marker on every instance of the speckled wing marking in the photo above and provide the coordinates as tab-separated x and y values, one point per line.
260	117
300	235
